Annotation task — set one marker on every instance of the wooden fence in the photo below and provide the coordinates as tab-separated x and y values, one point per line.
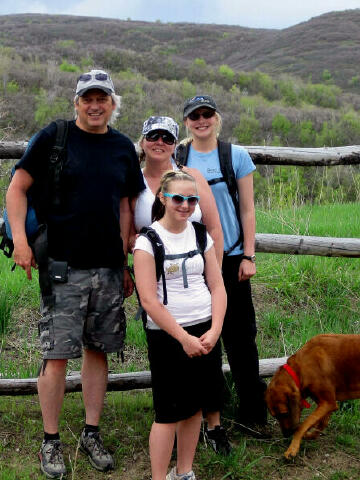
268	243
310	157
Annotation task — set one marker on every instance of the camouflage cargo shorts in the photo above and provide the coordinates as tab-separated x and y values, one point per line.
87	312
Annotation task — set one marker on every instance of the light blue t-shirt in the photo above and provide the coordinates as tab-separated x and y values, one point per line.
208	164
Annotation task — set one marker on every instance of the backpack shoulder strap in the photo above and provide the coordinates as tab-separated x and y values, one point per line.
201	238
159	255
57	159
182	154
227	170
226	167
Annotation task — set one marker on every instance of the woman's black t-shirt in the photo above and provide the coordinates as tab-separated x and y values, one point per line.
100	169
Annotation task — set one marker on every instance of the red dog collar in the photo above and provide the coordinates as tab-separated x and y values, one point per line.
292	373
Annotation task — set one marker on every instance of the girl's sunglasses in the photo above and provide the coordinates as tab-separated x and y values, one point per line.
166	137
178	199
196	115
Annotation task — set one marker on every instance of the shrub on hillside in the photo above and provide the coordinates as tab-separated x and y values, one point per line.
48	108
68	67
247	131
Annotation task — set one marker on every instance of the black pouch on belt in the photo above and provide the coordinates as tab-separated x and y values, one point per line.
59	271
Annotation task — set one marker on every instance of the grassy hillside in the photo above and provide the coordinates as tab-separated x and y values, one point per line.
302	50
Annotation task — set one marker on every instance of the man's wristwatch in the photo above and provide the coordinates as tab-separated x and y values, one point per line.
251	258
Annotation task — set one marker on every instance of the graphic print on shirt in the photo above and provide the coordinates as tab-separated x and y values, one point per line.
172	268
214	171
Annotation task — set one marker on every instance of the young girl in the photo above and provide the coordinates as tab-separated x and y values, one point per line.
184	351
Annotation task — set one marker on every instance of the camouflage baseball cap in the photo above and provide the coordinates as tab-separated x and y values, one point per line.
94	79
199	101
161	123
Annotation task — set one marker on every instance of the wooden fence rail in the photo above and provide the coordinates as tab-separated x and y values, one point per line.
304	245
349	155
117	382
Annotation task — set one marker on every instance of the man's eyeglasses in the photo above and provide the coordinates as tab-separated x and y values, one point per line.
86	77
165	136
196	115
178	199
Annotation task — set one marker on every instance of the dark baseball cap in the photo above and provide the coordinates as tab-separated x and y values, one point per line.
197	102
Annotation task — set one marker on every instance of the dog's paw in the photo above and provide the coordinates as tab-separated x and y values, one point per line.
291	452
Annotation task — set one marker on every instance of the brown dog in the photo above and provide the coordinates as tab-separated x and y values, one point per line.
326	369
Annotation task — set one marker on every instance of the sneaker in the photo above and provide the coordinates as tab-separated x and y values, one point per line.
92	445
218	440
184	476
51	459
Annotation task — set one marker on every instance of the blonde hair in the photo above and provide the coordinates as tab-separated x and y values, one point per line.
139	149
189	138
158	208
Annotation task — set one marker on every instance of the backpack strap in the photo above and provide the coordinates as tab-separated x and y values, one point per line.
228	176
226	167
201	238
57	160
39	243
159	256
185	256
182	154
201	242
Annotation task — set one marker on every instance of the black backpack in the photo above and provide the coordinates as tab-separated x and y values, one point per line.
228	176
160	256
35	210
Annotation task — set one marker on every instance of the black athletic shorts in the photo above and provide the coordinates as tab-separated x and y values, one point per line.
182	385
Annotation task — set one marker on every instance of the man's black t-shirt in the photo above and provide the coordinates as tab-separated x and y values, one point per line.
99	170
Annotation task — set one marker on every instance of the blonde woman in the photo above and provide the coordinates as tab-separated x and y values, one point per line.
203	151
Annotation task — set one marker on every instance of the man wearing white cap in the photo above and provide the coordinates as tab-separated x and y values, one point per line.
87	231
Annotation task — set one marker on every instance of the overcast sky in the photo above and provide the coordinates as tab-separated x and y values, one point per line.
246	13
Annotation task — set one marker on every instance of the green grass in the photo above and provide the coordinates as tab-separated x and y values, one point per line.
296	297
333	220
302	296
15	291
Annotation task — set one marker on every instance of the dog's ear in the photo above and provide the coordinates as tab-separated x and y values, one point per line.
276	399
294	404
295	397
